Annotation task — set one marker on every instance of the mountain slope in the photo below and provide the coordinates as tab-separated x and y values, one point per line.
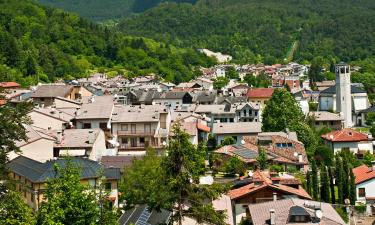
101	10
45	44
264	30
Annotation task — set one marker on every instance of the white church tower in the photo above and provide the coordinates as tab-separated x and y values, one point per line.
343	93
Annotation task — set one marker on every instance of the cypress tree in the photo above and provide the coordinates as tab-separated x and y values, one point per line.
346	181
352	194
331	184
308	182
339	179
315	184
324	184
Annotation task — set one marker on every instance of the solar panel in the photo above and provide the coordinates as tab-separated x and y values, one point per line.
142	220
246	153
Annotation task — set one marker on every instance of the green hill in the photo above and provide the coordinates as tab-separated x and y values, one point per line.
45	44
264	30
102	10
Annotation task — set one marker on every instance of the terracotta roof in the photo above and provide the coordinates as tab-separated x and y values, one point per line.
203	127
3	101
9	84
363	173
345	135
260	93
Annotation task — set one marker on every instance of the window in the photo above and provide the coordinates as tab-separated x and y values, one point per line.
103	126
231	120
331	123
361	192
142	140
86	125
124	127
92	183
124	140
108	186
256	113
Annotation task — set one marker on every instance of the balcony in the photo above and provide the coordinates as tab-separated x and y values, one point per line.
136	132
140	146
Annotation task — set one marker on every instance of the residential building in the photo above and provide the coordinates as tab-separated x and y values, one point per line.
31	177
294	211
38	145
322	119
264	186
139	127
355	141
45	95
281	149
88	143
259	96
96	113
51	118
9	85
237	130
365	186
325	84
173	99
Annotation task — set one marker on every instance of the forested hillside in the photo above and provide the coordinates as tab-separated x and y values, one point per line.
265	30
44	44
102	10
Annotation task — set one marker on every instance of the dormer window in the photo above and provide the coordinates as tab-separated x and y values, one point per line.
298	214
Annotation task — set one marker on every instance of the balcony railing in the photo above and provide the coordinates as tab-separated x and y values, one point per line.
136	132
139	146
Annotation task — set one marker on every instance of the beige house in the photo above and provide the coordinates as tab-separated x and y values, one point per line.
31	177
139	127
327	119
45	95
51	118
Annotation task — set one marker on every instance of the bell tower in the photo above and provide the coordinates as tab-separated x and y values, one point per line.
343	93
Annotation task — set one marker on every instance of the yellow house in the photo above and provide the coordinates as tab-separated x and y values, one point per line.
31	177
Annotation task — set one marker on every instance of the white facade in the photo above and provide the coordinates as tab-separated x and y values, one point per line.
40	150
353	146
343	93
369	187
46	122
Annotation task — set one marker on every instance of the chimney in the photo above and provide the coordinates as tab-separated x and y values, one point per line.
300	158
59	137
373	165
91	137
272	217
274	196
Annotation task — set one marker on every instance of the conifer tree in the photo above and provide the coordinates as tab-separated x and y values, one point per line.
308	182
352	194
331	184
315	182
324	184
339	179
346	181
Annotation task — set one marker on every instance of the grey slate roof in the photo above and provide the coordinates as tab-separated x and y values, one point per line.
51	91
368	110
100	108
205	97
38	172
140	215
332	90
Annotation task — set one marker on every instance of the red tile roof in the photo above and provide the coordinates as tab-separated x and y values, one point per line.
9	84
363	173
203	127
260	93
345	135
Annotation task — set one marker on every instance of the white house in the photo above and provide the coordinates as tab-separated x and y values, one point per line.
365	186
237	130
355	141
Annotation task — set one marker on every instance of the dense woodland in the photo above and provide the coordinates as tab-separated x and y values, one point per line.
100	10
44	44
264	30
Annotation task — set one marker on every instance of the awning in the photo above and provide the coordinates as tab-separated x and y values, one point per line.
203	128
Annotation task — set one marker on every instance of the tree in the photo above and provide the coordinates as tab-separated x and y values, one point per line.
324	184
370	119
352	187
315	181
231	73
143	183
13	209
12	120
339	178
220	82
324	155
183	165
332	184
228	141
235	166
309	182
281	111
368	158
67	200
262	159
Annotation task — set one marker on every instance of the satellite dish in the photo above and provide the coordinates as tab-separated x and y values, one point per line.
319	214
250	173
295	154
243	142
